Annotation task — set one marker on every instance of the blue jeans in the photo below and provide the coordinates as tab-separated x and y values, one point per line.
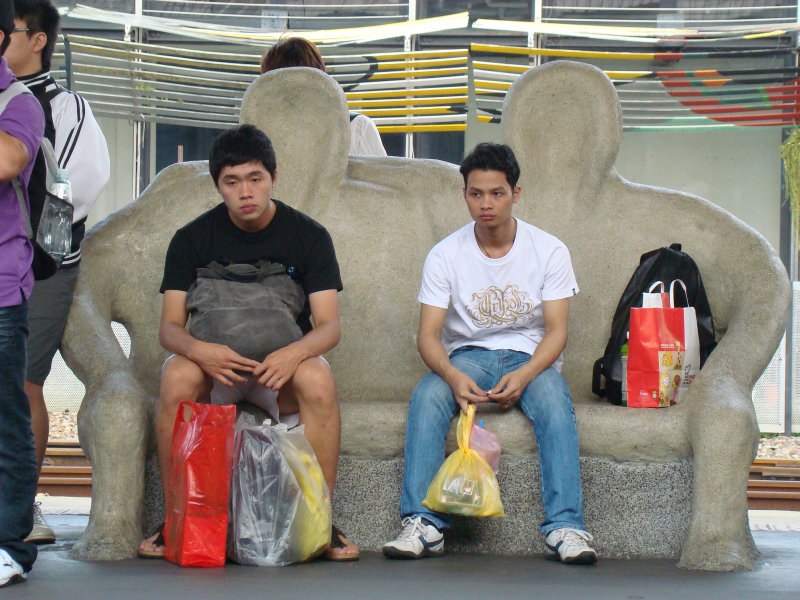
546	402
18	477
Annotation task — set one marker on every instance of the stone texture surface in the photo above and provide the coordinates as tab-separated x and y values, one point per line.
645	516
384	214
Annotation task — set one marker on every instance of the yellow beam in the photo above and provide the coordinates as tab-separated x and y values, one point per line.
496	85
418	74
399	112
419	128
359	104
560	53
418	64
379	94
500	67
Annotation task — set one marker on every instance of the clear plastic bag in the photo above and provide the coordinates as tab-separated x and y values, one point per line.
280	511
465	484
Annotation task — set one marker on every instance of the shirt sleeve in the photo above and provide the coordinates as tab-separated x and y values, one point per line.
81	150
23	119
323	268
559	280
435	289
365	137
180	265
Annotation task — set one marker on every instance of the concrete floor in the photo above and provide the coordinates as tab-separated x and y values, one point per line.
460	577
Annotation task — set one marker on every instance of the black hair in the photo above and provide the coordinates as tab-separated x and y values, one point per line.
238	146
40	16
491	157
6	24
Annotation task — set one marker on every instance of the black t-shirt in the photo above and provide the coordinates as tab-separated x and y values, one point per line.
292	238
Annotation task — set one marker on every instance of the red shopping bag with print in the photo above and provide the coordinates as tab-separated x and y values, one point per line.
200	475
663	353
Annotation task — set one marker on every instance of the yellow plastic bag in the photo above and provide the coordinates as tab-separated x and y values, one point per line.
465	484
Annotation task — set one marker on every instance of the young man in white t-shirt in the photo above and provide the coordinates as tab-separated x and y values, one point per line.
493	326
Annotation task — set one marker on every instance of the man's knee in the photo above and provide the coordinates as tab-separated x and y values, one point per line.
313	384
182	380
548	397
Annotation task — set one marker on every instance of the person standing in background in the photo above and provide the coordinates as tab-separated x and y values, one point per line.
299	52
81	150
21	129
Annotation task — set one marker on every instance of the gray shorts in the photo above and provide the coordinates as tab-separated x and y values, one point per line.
251	391
48	308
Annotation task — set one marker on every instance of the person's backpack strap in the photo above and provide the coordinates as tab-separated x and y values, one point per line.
49	154
22	206
14	89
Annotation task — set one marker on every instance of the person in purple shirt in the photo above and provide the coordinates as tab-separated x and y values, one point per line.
21	130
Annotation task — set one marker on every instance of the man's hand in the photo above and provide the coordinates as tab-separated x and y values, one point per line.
508	390
220	362
279	366
465	390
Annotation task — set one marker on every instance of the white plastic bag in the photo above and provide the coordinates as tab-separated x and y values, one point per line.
280	510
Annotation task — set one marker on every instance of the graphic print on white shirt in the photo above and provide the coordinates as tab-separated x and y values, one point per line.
500	306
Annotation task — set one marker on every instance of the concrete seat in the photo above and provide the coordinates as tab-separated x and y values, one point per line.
657	483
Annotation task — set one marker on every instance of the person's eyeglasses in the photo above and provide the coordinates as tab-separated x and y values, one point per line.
16	29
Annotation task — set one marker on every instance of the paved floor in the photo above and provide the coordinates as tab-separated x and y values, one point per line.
462	577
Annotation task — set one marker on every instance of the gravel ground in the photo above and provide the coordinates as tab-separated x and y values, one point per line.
64	426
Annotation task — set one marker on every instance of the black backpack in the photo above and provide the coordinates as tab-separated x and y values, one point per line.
663	264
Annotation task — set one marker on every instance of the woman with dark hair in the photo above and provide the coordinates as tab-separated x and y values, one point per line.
299	52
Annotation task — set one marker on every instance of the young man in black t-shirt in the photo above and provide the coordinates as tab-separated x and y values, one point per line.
247	227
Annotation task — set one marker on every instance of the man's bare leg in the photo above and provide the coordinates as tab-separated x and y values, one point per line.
40	422
313	392
181	381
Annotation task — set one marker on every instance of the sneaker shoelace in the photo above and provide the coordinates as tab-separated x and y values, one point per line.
37	512
412	527
576	537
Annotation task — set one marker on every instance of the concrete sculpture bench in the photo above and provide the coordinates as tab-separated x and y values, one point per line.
667	483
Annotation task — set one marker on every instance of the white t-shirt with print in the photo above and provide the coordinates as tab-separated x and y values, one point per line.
496	303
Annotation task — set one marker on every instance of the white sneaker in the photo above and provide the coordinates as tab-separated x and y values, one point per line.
41	533
570	546
417	539
10	570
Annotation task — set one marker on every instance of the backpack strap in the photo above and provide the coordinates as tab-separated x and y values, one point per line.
14	89
23	207
49	154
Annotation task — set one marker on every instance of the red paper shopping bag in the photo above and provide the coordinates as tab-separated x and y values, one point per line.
663	355
197	493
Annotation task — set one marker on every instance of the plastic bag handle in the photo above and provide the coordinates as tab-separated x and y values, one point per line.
465	426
